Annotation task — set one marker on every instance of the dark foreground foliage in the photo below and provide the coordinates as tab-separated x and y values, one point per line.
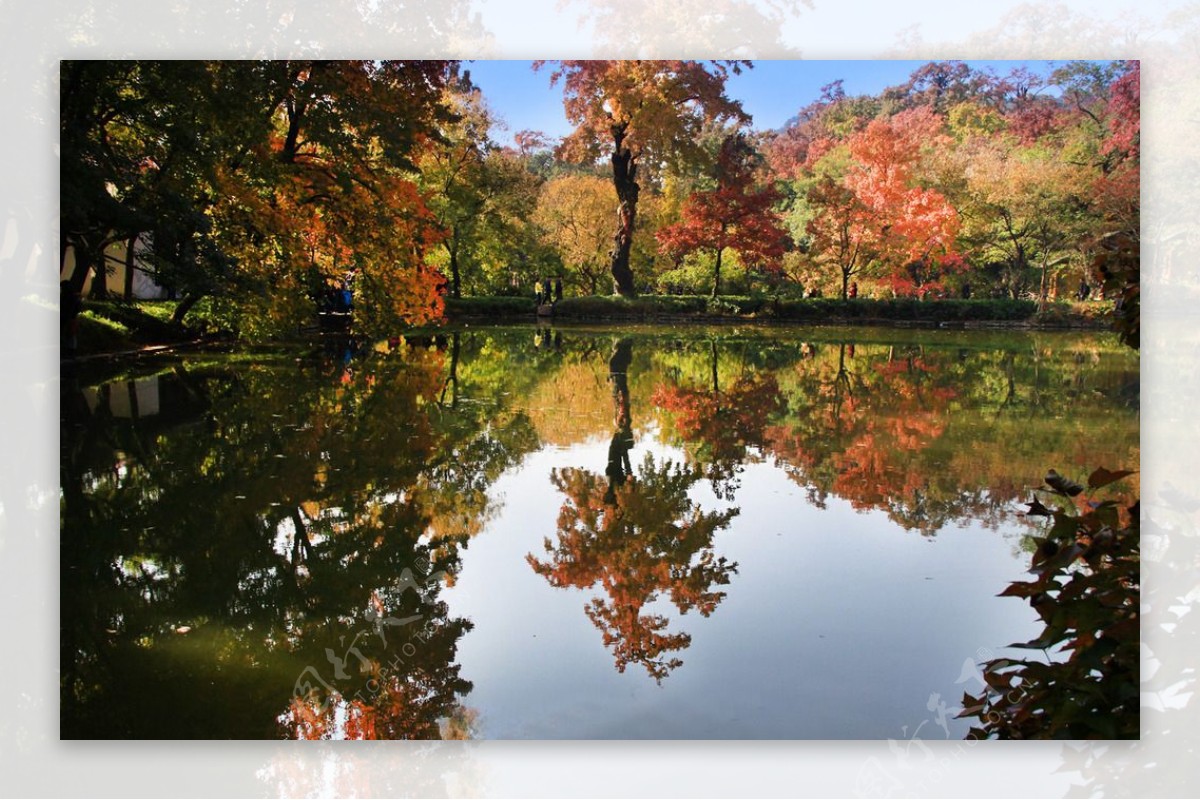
1086	590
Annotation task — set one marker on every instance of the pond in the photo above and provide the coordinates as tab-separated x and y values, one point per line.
566	532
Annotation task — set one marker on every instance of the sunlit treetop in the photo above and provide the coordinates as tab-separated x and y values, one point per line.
642	106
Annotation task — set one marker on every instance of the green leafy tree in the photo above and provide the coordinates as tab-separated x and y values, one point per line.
483	197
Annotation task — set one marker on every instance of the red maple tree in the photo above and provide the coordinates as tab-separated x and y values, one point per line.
737	215
913	224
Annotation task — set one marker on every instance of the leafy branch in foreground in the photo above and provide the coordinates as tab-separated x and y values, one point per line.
1086	591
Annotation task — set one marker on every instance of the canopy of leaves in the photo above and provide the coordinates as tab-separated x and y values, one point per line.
258	182
642	107
1085	589
737	215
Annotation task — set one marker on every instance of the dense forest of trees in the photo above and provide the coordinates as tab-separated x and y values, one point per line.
254	185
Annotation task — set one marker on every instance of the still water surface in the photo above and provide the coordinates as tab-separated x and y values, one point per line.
566	533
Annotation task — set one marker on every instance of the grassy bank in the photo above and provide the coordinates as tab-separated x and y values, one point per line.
111	326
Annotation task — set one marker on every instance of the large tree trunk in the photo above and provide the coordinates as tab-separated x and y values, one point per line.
455	280
717	273
619	468
296	108
295	111
184	306
625	181
99	289
129	266
82	267
618	375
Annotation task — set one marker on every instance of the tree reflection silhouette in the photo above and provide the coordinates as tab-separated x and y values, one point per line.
619	468
396	679
203	574
719	427
637	536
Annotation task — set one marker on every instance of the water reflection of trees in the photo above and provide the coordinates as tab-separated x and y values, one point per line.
717	427
637	535
257	517
928	432
938	435
210	560
651	539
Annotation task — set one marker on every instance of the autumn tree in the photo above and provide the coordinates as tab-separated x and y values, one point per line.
841	229
912	223
866	204
634	112
255	182
575	215
737	215
1116	200
938	85
810	133
348	136
1026	212
809	159
1029	111
963	177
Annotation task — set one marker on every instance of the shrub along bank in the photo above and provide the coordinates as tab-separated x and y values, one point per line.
111	326
818	310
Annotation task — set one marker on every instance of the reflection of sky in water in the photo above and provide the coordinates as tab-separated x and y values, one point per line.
838	624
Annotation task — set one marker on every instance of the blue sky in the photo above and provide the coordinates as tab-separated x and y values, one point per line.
771	92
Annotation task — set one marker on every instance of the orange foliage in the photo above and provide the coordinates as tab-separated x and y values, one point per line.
722	425
652	106
636	540
913	222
